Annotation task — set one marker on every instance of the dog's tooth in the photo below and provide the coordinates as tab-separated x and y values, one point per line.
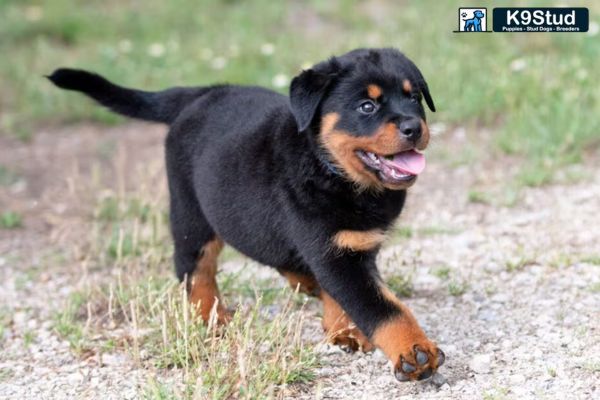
372	156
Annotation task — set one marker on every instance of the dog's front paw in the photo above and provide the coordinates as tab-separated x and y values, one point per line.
413	355
419	363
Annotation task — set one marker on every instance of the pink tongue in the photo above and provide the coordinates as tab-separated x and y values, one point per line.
409	161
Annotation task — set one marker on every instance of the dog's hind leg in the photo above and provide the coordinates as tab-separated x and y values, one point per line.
196	248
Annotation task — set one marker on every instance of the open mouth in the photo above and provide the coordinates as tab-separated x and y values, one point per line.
394	168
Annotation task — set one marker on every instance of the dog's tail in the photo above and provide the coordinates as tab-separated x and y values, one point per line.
163	106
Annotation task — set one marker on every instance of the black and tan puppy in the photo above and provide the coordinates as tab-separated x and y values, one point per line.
307	184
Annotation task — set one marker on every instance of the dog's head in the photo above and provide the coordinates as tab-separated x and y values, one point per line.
365	108
478	14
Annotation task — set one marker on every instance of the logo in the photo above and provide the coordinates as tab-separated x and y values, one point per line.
472	19
555	19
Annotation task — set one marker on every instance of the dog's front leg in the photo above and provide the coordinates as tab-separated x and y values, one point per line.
350	277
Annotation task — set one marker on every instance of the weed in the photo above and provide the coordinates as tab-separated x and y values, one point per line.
402	285
591	259
67	324
405	232
438	230
10	220
457	288
476	196
7	176
519	263
28	338
594	287
442	272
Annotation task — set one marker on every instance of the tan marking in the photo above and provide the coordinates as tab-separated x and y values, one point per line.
340	328
304	283
342	147
359	240
406	86
374	91
398	337
204	291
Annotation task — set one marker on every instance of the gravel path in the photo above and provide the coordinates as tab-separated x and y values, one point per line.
512	294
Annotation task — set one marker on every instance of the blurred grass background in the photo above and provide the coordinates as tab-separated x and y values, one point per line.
537	93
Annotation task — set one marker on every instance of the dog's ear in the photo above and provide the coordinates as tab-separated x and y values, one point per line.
427	96
307	91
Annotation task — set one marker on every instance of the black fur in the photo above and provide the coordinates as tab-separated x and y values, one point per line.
245	163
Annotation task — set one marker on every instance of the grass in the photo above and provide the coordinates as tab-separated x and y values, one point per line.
402	285
520	262
594	287
442	272
255	356
591	259
533	91
141	310
10	220
476	196
66	323
7	176
5	320
28	338
457	287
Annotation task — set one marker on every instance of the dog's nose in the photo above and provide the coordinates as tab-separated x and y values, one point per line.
411	129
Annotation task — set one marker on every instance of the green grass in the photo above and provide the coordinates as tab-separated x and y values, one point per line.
141	310
402	232
5	320
476	196
591	259
519	263
7	176
402	285
442	272
534	91
457	287
256	355
28	338
68	325
10	220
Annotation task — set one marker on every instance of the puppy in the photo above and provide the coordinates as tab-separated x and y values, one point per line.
308	184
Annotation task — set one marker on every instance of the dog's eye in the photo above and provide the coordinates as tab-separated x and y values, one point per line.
415	98
367	107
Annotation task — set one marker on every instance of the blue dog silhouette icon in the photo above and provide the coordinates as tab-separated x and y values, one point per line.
473	24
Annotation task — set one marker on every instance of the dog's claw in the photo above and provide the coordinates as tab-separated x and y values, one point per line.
441	358
401	377
346	348
425	374
422	357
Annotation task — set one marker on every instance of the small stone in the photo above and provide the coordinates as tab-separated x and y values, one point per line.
74	378
481	363
438	379
379	355
516	379
113	359
20	318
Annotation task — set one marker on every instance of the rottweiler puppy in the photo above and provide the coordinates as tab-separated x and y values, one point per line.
308	184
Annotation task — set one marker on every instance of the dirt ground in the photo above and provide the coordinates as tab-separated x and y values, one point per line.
511	292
